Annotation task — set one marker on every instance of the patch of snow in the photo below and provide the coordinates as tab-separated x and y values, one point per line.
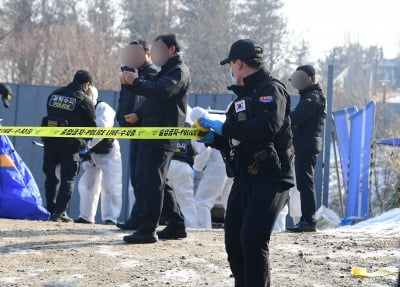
131	263
106	250
182	275
395	100
9	279
78	276
388	217
22	251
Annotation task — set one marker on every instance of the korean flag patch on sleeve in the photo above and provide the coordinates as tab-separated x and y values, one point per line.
266	99
240	106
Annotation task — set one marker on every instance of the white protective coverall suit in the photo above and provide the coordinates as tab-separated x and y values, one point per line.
106	177
211	186
180	178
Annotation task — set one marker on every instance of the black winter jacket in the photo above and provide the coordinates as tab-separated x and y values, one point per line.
308	119
166	99
256	141
130	102
69	106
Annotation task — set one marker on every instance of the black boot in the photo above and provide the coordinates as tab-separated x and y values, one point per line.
140	237
130	224
172	233
61	217
81	220
303	226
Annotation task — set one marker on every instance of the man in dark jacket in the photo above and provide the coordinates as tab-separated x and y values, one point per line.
307	120
165	106
256	144
66	107
136	57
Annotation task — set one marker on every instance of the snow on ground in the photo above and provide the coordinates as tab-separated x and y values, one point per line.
395	100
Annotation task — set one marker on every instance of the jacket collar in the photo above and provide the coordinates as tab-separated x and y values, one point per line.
75	87
145	66
314	87
171	62
251	82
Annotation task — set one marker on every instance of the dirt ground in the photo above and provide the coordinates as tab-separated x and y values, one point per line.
68	254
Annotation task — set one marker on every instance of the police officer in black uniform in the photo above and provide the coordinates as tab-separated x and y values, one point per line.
256	145
136	56
165	106
307	120
66	107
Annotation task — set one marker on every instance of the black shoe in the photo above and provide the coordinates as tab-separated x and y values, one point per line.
172	233
108	222
81	220
303	226
129	225
61	217
140	237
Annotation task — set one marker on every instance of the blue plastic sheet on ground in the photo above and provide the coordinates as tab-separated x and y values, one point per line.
19	194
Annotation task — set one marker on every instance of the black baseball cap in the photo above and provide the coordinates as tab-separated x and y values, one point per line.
308	69
83	76
244	49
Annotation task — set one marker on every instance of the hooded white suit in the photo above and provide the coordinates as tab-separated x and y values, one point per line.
211	186
106	177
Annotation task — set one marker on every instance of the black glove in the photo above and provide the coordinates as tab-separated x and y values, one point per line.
6	95
85	155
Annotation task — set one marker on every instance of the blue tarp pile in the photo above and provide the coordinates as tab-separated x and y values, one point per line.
19	194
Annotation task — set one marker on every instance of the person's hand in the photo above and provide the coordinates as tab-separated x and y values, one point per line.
208	138
84	154
122	79
131	118
215	125
130	77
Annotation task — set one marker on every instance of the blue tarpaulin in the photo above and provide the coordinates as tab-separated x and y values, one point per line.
342	126
19	194
392	142
361	139
355	133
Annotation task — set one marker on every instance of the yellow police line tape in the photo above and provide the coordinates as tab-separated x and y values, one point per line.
101	132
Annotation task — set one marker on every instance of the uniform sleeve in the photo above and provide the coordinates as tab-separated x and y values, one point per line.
104	118
163	88
202	157
268	116
304	109
89	116
125	105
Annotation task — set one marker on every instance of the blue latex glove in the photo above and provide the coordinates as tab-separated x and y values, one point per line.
215	125
208	138
83	152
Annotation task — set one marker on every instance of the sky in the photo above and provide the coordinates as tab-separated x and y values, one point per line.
329	23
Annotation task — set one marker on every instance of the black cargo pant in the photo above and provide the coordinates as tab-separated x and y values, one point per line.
152	165
249	221
305	162
134	144
67	157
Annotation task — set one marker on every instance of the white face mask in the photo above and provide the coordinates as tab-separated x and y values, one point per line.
233	78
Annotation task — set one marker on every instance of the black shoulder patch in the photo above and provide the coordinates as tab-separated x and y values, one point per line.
62	102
